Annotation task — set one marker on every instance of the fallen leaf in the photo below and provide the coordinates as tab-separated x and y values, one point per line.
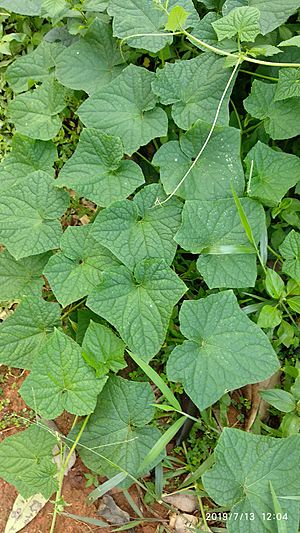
187	503
111	512
183	523
23	512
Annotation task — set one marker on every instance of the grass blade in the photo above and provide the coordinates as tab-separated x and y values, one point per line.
281	525
193	478
105	487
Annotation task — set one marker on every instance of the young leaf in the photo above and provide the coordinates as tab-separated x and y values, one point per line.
24	332
97	170
103	350
294	303
272	173
281	119
269	317
215	358
288	84
139	304
35	113
290	250
29	215
21	278
26	462
246	489
182	85
204	31
60	379
241	21
280	399
218	166
139	229
274	284
91	62
127	107
117	434
176	19
75	271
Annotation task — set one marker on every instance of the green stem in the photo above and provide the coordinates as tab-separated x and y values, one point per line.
275	253
145	159
71	310
258	75
237	115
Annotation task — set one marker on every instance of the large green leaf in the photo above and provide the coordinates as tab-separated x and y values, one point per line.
273	173
281	118
97	171
245	466
290	250
24	332
117	433
21	278
77	269
26	462
224	350
273	13
204	31
218	167
95	5
194	87
139	304
29	215
102	349
132	17
242	21
92	61
126	108
35	113
288	84
38	66
27	156
139	229
60	379
22	7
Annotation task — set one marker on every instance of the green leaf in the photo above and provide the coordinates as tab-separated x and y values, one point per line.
139	229
263	50
117	434
24	332
35	113
280	399
26	156
97	171
132	17
61	380
176	19
246	489
215	358
241	21
281	524
272	173
75	271
269	317
21	278
294	303
127	108
38	66
103	350
281	119
289	84
214	227
26	462
54	8
217	168
273	13
95	5
194	88
29	216
91	62
290	250
139	304
293	41
22	7
274	284
105	487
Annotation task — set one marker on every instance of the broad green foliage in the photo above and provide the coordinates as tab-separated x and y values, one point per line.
204	30
60	379
23	334
139	229
139	304
216	356
29	215
246	488
273	173
26	462
97	169
293	41
288	84
117	433
281	118
290	250
92	61
77	269
131	18
27	156
242	21
194	87
36	113
103	350
218	167
23	7
127	108
21	278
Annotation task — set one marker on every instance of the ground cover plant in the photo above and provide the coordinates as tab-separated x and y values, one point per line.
150	256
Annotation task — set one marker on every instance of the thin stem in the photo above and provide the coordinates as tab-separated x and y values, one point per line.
275	253
236	114
258	75
71	310
145	159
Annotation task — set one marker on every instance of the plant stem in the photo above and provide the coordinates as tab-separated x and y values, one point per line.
71	310
258	75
